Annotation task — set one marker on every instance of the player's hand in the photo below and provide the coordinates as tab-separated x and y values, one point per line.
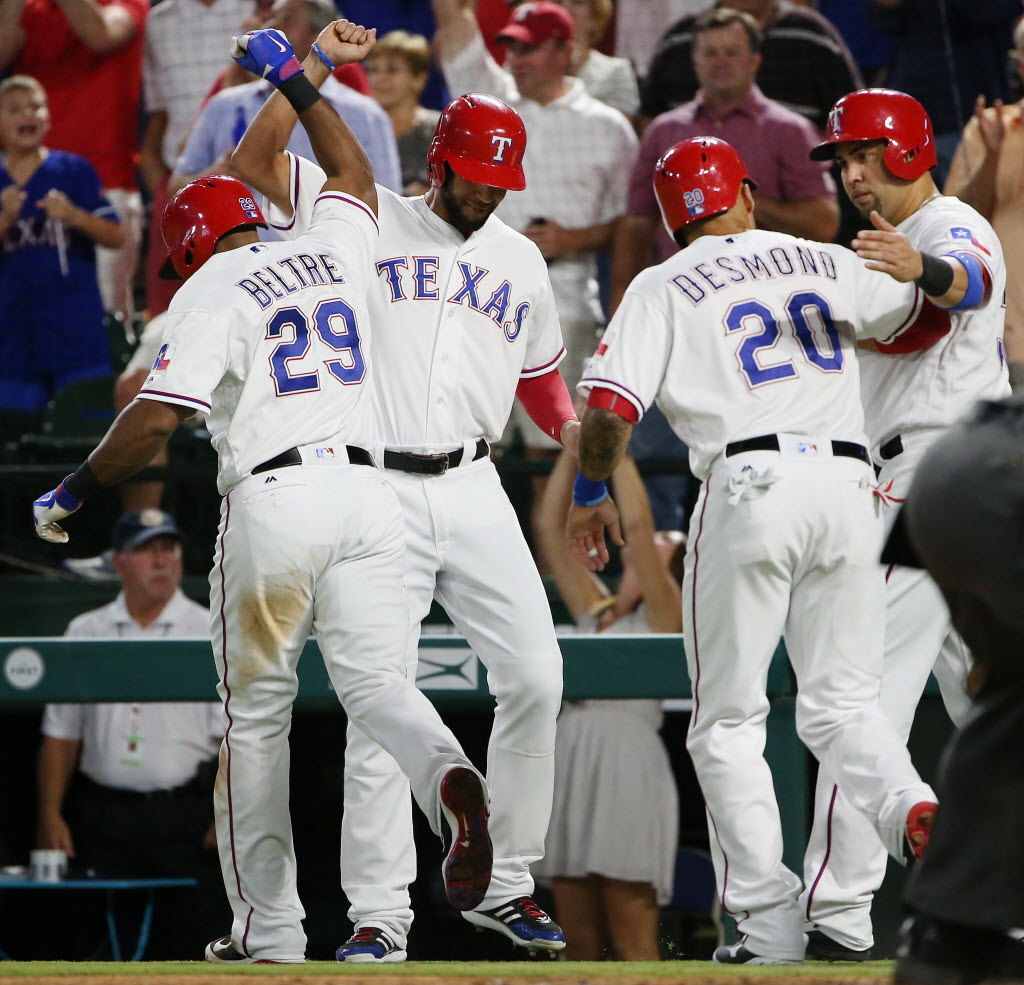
585	530
268	54
344	42
888	250
550	237
47	510
58	206
12	198
55	834
990	124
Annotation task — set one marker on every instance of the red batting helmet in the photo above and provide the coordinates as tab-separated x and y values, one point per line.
483	139
697	179
200	214
883	114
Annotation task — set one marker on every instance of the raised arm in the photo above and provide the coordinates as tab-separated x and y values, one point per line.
456	27
259	157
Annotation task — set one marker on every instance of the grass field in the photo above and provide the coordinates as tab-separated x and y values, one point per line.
436	973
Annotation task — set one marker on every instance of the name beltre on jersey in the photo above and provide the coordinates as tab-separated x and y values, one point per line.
289	275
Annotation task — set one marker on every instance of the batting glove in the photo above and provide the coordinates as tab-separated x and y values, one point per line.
47	510
268	54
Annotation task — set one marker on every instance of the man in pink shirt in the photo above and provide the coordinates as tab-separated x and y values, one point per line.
794	195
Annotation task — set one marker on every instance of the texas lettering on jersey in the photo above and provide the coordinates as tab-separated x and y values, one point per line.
415	279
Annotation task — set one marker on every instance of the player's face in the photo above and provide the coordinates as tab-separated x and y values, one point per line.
392	81
152	571
868	182
467	205
24	119
724	63
536	67
292	18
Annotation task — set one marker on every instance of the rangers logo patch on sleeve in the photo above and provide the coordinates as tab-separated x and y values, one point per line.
163	359
963	233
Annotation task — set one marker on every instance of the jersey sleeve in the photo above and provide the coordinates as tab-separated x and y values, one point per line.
63	721
887	309
192	360
631	357
963	234
347	226
305	181
544	347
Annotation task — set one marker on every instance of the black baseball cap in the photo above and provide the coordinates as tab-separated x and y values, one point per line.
140	526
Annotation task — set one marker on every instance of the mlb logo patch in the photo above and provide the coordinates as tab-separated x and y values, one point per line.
248	206
325	453
694	202
806	448
163	359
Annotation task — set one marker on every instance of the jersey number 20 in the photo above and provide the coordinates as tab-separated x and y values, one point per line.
744	314
335	322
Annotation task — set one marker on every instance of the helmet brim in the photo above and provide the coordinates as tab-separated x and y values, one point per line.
510	177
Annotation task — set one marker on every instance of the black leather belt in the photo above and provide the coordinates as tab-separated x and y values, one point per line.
356	456
405	461
770	442
892	448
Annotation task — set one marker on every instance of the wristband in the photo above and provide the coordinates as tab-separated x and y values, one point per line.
320	54
975	282
936	276
588	492
300	92
83	483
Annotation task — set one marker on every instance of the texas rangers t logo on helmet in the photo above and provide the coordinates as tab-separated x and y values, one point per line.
503	143
835	119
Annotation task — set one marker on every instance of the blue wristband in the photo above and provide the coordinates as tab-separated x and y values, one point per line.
588	492
320	54
975	281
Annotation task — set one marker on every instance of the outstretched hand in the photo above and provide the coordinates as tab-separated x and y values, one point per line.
48	509
888	250
585	530
268	54
344	42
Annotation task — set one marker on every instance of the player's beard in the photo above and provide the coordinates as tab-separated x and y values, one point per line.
463	221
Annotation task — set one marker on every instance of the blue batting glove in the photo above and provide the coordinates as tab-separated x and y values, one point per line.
47	510
268	54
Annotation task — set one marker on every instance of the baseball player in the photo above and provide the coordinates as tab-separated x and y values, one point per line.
464	321
746	338
272	341
885	147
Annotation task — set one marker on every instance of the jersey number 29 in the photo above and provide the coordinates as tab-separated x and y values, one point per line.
335	322
745	314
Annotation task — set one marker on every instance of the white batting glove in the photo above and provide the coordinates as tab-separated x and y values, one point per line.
47	510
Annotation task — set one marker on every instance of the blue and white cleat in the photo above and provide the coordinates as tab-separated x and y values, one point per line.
370	945
524	923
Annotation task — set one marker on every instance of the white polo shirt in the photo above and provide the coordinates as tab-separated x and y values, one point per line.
148	745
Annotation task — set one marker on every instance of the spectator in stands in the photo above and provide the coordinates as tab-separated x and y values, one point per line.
87	55
610	79
794	195
185	49
611	845
578	155
805	65
52	212
399	67
988	174
126	789
223	120
946	55
639	24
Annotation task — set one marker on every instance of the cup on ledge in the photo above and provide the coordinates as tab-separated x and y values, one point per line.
48	864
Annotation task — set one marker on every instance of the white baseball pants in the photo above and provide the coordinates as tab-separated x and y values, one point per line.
845	864
465	547
782	544
314	547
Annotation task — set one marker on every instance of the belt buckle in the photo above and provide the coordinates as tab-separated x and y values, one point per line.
444	460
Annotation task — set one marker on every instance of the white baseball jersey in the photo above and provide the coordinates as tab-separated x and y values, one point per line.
271	342
458	321
935	387
750	334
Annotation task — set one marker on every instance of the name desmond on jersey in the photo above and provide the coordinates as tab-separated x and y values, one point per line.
289	275
706	279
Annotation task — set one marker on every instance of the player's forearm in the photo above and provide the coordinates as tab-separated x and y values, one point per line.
603	442
138	434
809	218
57	759
12	37
338	152
633	250
100	29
